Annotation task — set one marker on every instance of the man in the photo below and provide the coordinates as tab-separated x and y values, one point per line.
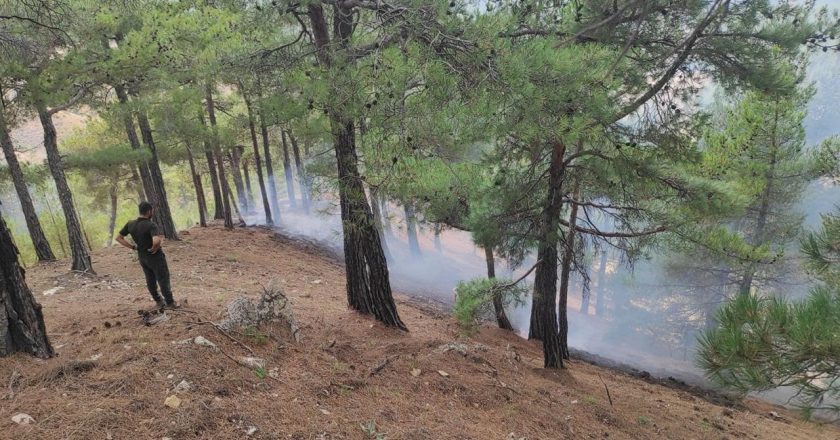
147	243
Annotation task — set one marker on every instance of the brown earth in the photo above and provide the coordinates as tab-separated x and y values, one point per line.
350	377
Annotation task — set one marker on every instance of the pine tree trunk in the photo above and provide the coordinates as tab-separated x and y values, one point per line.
218	206
301	172
601	299
22	326
565	272
112	220
498	306
287	171
217	152
411	229
162	213
246	174
269	169
199	190
149	190
257	159
368	285
545	279
377	218
80	255
39	240
383	204
138	184
438	244
235	171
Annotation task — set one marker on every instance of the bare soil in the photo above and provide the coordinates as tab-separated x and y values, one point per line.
349	378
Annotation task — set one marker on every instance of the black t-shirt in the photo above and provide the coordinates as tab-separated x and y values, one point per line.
141	230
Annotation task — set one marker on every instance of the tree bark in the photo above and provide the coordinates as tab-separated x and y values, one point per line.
236	173
301	173
411	229
498	306
79	251
246	175
438	244
199	190
287	171
545	279
138	184
257	159
149	189
217	152
368	285
565	272
22	327
112	219
269	169
162	213
377	218
39	240
218	208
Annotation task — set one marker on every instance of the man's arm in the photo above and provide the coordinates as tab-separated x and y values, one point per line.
121	240
157	241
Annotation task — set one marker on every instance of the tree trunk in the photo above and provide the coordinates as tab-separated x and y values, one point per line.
218	206
601	299
39	240
235	171
199	190
138	184
565	272
269	169
112	220
411	229
383	203
162	213
368	286
142	167
377	219
545	279
764	208
257	159
438	244
22	326
246	174
287	171
301	173
498	306
78	248
217	152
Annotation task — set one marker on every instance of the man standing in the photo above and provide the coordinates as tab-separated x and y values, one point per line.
147	243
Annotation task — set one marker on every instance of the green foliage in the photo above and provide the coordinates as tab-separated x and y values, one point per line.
474	299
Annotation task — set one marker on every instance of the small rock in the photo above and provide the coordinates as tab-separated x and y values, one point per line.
23	419
251	431
96	357
274	373
170	376
183	387
443	373
325	412
317	281
416	372
204	342
53	291
775	416
252	362
172	401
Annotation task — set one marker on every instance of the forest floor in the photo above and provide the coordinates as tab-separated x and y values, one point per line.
349	377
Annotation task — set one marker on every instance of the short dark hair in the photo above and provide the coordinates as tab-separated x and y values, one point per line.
145	208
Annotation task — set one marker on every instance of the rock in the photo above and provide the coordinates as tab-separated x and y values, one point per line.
317	281
325	412
172	401
23	419
53	291
204	342
95	357
274	373
252	362
443	373
183	387
416	372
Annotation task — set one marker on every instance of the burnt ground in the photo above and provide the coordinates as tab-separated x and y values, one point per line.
349	378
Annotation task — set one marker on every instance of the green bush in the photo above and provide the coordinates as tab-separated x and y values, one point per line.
474	299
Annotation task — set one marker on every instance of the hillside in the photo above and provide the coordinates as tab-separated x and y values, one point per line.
348	373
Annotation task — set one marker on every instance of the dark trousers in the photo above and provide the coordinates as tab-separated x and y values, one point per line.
157	274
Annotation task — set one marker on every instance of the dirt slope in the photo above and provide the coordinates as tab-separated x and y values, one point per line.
348	373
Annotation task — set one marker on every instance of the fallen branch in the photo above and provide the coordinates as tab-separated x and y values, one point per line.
202	321
609	397
382	365
12	382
